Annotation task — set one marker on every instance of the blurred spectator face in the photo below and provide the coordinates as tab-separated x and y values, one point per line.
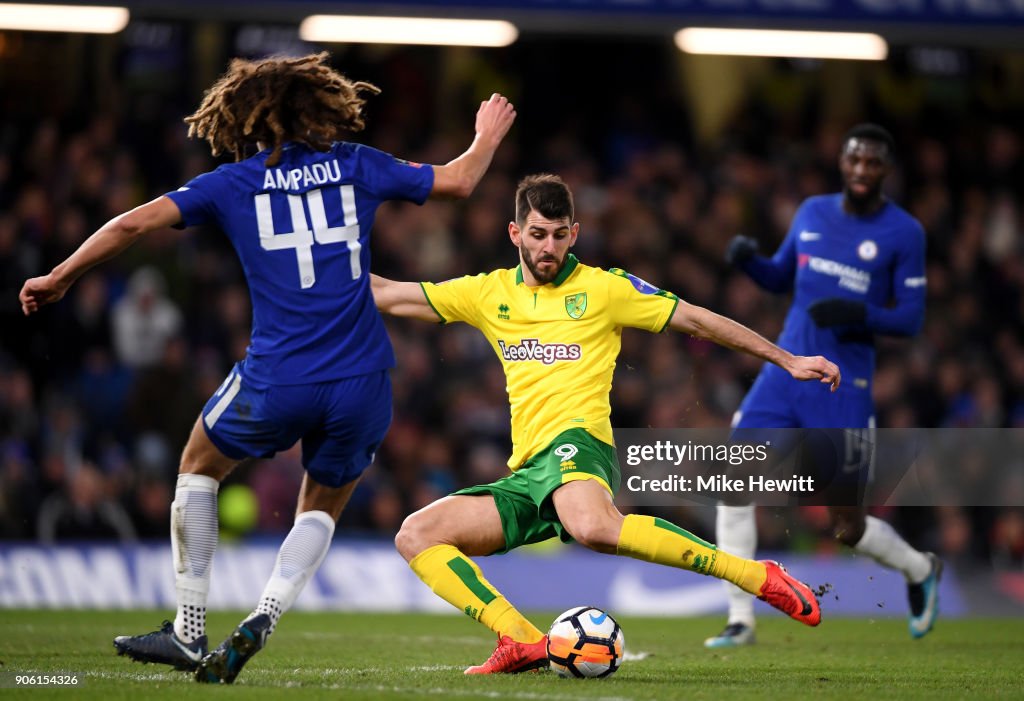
988	398
1003	148
175	354
951	378
727	209
87	488
386	510
954	530
8	234
91	297
33	210
485	463
144	320
932	159
16	390
152	498
91	179
233	307
902	416
144	286
864	164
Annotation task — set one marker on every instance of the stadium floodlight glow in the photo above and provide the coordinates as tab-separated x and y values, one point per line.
791	44
86	19
407	30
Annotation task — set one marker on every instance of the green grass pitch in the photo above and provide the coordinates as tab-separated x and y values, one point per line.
403	656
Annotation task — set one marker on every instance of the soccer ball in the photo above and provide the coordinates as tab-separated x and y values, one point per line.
585	642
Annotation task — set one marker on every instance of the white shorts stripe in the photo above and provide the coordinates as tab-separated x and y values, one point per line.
218	408
224	384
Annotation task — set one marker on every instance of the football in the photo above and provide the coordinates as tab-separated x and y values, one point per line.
585	642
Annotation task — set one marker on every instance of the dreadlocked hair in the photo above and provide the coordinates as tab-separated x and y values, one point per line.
276	100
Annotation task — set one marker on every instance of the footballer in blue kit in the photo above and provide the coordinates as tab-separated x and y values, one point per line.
844	269
855	263
299	214
316	366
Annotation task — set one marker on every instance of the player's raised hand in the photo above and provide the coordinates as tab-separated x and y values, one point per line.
40	291
815	367
458	178
494	118
741	249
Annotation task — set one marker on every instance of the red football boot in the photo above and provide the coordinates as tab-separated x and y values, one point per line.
789	595
511	657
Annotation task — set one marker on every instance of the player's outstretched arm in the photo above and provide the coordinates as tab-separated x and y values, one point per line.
774	274
405	299
703	323
459	178
110	239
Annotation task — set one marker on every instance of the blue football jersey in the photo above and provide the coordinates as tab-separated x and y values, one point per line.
302	230
877	259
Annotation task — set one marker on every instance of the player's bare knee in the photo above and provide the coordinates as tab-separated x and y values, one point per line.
595	533
201	457
198	467
193	464
405	541
413	536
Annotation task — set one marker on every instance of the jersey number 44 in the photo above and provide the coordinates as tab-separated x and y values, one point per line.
303	236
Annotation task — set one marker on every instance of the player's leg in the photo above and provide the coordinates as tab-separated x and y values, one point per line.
767	407
588	514
194	528
194	531
437	542
342	424
871	536
586	511
736	533
299	558
874	537
305	547
579	477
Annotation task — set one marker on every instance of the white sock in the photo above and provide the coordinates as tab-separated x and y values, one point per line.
884	544
736	534
298	559
193	541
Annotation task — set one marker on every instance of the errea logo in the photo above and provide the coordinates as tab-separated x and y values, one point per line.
503	310
547	353
566	452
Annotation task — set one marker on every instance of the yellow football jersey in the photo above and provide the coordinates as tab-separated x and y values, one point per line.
557	342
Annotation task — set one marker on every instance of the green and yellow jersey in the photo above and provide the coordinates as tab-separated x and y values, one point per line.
557	342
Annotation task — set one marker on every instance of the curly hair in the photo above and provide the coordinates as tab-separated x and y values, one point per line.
276	100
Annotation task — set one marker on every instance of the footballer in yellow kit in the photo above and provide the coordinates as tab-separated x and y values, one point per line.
557	343
556	325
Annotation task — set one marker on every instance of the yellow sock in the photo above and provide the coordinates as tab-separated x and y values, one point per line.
456	579
656	540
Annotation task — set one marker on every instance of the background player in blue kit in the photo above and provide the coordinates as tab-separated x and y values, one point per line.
299	215
855	263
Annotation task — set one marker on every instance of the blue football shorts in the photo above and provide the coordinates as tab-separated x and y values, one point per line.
340	423
829	436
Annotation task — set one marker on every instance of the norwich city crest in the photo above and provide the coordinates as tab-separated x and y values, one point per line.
576	304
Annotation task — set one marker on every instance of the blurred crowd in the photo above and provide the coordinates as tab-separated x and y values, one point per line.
98	393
